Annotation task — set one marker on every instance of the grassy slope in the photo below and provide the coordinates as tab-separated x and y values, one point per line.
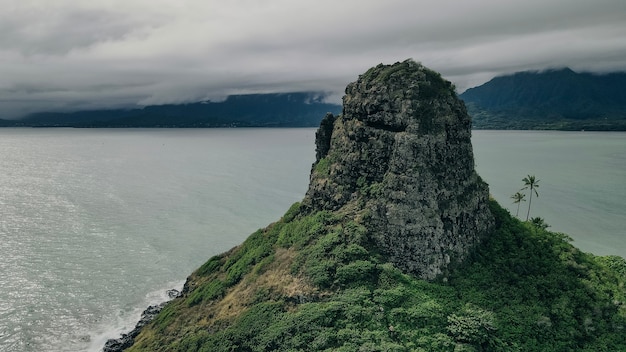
312	282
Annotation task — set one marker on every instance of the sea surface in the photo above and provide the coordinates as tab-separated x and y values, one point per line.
96	224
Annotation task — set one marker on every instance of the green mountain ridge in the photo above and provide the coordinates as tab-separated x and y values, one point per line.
299	109
396	247
551	99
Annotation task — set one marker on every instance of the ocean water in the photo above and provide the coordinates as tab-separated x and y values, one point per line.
582	181
96	224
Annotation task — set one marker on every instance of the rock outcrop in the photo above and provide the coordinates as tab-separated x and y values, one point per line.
126	340
400	157
394	181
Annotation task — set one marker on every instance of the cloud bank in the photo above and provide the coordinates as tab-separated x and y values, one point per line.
66	55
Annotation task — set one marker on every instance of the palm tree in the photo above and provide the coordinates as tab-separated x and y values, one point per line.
539	223
518	198
530	183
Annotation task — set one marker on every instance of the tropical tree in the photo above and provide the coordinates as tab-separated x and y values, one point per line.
539	223
531	184
518	198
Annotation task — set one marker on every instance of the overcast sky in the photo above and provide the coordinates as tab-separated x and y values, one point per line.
71	55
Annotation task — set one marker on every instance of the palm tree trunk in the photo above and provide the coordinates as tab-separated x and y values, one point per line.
529	201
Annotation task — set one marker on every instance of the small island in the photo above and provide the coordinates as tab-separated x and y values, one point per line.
397	246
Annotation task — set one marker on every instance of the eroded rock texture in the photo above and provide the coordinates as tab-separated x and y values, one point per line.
400	158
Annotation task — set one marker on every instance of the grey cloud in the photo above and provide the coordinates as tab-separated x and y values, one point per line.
38	31
65	54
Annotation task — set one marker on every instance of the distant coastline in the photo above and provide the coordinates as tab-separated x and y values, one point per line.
300	109
557	100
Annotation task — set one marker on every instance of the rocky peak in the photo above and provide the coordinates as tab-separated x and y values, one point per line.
400	158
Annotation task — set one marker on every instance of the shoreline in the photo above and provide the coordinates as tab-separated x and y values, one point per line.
126	340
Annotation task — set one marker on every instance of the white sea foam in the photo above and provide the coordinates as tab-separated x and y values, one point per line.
123	323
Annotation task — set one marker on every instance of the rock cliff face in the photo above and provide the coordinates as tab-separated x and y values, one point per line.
400	158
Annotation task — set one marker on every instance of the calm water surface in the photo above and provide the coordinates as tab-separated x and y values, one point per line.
96	224
582	184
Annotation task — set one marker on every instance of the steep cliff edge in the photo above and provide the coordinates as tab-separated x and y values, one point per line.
396	247
401	155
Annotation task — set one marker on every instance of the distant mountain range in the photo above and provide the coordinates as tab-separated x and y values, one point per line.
252	110
554	99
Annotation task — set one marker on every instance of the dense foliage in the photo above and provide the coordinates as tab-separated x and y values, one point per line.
314	282
553	99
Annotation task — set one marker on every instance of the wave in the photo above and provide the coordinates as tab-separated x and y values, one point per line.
124	322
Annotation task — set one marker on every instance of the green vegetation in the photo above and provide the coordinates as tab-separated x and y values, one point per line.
539	222
550	100
322	167
314	282
517	120
434	85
